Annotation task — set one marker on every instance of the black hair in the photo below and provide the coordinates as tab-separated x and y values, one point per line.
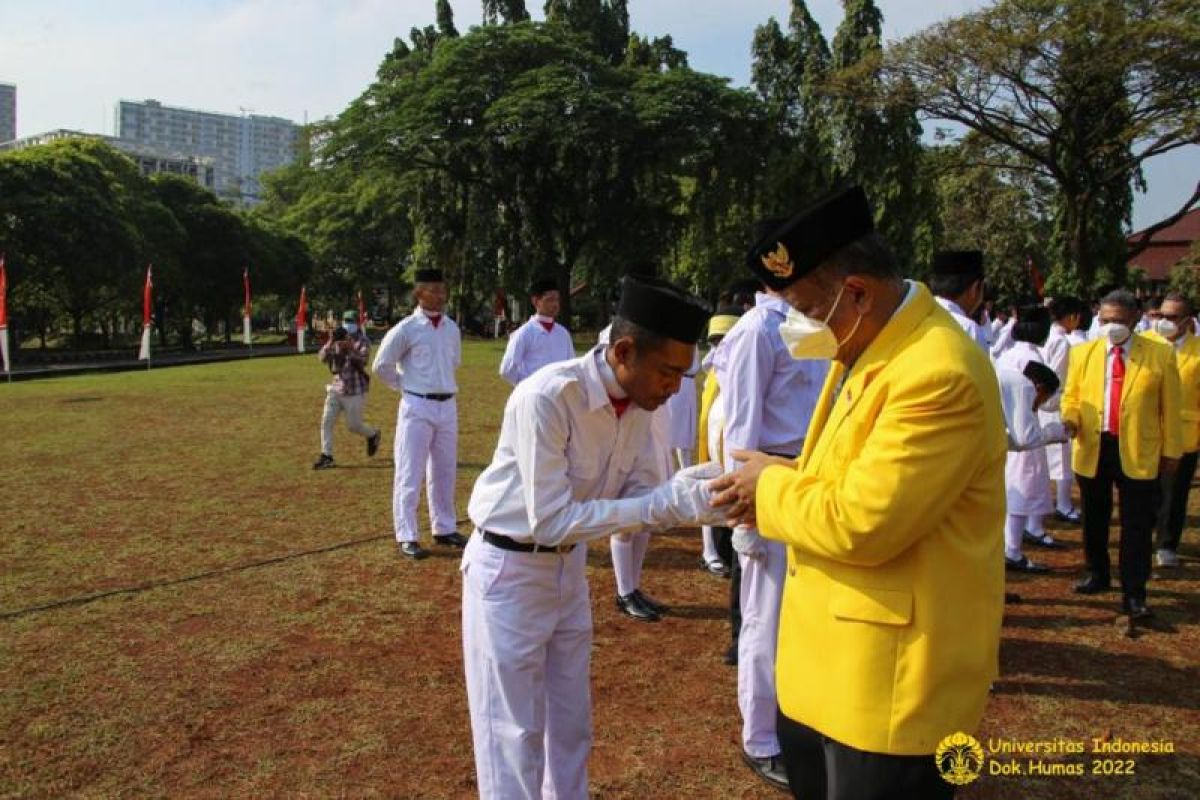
952	286
1041	375
644	339
1122	298
1063	307
868	255
1032	325
1178	297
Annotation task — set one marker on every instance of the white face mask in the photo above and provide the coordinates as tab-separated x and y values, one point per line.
1165	328
351	328
806	338
1115	332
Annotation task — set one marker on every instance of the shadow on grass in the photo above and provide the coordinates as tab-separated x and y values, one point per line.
1081	672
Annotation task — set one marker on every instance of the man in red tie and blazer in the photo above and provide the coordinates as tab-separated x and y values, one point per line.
1122	404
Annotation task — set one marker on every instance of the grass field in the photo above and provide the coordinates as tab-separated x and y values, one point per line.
256	634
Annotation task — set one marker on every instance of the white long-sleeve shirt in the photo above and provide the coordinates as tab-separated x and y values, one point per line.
531	347
768	396
976	331
415	356
566	468
1017	394
1055	353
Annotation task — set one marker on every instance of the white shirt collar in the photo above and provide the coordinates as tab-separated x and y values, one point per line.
606	376
543	320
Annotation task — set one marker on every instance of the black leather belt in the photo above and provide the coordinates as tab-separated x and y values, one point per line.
780	455
505	543
438	397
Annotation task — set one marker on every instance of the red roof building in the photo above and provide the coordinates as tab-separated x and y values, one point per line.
1167	247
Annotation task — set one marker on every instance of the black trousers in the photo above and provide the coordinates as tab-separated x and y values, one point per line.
819	768
1138	505
723	539
1172	510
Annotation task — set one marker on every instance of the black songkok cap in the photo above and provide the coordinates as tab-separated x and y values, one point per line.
543	285
1041	374
661	308
958	262
786	253
429	276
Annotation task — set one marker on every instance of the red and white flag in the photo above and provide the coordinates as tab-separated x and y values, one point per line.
246	306
147	316
301	321
4	314
362	313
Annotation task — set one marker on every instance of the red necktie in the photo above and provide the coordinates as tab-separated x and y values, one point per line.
1114	392
619	405
549	326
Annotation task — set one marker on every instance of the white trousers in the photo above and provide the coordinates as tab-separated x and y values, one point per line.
336	404
762	593
527	642
426	448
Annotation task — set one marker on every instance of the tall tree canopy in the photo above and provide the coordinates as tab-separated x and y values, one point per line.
1081	92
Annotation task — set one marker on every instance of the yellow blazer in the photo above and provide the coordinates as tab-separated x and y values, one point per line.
1187	357
707	396
889	633
1150	406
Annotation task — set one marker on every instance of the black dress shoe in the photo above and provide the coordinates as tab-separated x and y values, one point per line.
631	605
324	462
731	655
413	550
1137	608
373	443
1092	585
1023	564
652	604
454	539
770	769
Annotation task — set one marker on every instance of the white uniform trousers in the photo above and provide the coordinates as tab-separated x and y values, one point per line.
426	448
527	642
761	596
335	404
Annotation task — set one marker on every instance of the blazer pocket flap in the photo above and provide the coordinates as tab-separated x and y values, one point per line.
882	606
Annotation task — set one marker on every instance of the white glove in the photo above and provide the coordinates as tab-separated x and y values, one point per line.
748	542
1054	433
685	499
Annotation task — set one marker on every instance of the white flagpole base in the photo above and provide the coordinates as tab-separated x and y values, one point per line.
300	340
246	330
4	350
144	352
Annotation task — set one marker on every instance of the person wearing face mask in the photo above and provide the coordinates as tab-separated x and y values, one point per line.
768	399
1067	313
541	340
1174	326
1121	404
418	358
893	516
957	283
346	355
575	461
1026	475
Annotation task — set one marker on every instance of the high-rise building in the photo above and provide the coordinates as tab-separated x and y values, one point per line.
8	112
149	159
241	147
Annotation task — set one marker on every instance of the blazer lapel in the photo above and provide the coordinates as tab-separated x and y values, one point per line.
1133	364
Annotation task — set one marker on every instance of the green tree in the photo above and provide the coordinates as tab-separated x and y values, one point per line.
1083	91
445	20
504	11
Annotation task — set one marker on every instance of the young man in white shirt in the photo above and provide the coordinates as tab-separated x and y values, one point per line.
957	284
575	462
418	358
541	340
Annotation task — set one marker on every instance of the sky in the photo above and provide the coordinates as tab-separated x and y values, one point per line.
72	60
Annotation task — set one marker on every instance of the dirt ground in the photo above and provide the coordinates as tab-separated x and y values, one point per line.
273	645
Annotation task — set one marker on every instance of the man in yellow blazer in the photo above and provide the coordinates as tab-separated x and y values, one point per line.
1122	404
893	516
1175	325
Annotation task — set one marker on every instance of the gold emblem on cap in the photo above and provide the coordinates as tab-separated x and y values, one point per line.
779	263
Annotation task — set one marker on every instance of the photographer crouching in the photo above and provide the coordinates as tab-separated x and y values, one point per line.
346	356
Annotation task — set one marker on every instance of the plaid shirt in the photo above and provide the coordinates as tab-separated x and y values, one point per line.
349	369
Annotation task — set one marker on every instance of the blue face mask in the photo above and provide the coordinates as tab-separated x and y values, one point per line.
351	328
